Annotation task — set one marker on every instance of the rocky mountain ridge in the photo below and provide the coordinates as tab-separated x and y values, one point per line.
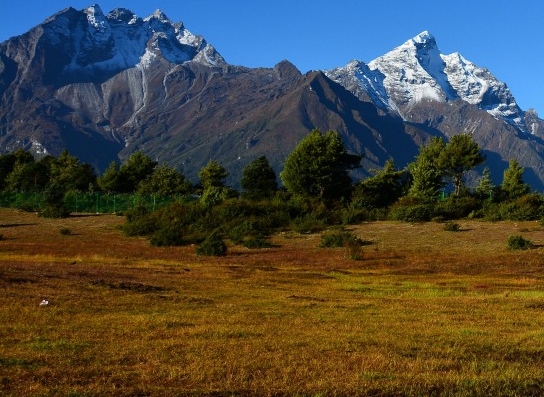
417	71
103	86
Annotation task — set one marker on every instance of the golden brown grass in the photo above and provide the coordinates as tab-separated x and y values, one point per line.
425	312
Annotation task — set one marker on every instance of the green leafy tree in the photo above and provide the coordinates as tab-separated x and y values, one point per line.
513	185
426	172
29	176
212	179
215	195
319	167
486	187
382	189
460	155
55	206
212	175
23	157
138	167
259	180
165	181
24	178
109	180
7	163
68	174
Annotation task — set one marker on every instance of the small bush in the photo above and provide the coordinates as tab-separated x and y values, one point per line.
167	237
452	227
140	222
28	207
339	238
456	207
254	227
412	213
136	213
353	216
140	227
492	212
308	224
55	211
65	231
524	208
212	246
257	242
342	238
528	207
517	242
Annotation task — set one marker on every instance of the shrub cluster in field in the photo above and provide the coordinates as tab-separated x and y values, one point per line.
213	245
339	238
244	222
452	227
345	239
517	242
524	208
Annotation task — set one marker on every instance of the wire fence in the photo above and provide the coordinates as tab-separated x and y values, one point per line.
77	202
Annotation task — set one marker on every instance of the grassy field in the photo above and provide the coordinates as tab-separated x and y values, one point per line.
425	312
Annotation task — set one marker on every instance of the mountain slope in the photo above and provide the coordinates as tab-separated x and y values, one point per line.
69	81
238	114
103	86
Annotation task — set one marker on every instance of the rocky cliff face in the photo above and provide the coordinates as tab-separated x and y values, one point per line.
79	79
103	86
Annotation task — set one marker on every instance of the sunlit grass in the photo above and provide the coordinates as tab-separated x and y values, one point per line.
425	312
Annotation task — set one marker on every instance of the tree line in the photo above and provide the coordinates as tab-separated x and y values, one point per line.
316	190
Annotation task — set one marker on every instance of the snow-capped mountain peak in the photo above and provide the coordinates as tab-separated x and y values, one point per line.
96	17
424	37
417	71
88	43
123	15
414	71
160	16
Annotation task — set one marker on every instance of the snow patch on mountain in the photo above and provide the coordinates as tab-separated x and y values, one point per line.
467	79
357	76
478	86
147	59
96	18
414	72
159	16
121	40
417	71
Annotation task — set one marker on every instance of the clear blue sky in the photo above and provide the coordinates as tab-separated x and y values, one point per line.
505	36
